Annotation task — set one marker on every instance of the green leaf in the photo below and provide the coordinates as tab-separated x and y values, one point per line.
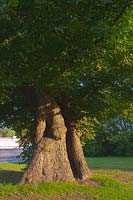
13	3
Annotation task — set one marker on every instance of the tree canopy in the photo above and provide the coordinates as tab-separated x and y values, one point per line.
81	50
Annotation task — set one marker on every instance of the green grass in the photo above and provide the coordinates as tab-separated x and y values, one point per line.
10	172
110	190
116	184
111	162
11	166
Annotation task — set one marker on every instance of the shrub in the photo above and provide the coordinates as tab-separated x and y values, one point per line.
123	143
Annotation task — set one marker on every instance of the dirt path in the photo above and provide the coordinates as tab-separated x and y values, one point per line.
121	175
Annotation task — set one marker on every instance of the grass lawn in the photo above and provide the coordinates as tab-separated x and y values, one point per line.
116	183
111	162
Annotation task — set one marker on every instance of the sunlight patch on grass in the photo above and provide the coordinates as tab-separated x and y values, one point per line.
11	166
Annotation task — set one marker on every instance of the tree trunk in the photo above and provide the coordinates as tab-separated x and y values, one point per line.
76	155
33	174
50	159
54	159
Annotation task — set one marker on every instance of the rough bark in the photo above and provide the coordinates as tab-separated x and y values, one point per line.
33	174
56	166
76	155
50	159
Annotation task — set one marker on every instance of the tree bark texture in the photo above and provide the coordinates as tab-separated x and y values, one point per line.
54	159
76	155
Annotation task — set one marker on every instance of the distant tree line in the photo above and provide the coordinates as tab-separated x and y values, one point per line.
114	138
5	132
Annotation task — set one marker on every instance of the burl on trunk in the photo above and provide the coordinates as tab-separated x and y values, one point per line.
54	159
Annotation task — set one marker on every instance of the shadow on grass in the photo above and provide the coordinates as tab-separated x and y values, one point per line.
10	176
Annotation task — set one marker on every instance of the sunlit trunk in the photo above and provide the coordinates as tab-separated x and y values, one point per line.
76	155
50	159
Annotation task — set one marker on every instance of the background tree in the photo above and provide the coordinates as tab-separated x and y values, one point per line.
59	62
6	132
114	137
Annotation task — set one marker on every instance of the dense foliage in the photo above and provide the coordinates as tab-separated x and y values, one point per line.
113	138
78	50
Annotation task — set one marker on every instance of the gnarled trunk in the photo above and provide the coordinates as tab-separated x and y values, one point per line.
54	159
50	159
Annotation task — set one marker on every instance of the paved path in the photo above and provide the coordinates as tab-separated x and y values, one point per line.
10	155
13	159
